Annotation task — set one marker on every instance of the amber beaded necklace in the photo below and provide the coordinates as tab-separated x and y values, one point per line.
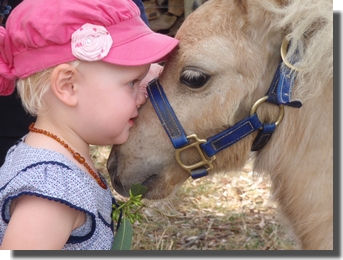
77	156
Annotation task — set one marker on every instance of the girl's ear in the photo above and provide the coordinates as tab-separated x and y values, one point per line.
61	83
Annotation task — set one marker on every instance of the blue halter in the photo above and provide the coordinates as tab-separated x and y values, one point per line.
279	93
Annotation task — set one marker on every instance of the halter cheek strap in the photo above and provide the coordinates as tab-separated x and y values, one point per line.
166	114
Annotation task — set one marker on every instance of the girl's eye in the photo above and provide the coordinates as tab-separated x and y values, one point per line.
133	83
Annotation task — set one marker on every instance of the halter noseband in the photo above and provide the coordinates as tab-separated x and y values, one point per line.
279	93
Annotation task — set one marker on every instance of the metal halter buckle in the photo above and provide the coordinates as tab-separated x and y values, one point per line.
205	161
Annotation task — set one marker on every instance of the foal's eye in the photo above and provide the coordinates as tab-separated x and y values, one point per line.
193	78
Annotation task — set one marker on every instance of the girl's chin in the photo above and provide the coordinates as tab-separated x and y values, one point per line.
122	139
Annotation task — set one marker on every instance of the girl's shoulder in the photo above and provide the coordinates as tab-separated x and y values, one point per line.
48	174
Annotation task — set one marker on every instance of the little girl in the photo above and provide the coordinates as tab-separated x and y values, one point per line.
79	65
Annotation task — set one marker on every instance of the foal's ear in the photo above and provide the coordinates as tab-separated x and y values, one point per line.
61	84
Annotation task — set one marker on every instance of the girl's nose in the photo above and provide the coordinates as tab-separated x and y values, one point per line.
141	98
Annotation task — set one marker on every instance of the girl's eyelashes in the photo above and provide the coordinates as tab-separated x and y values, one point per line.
134	82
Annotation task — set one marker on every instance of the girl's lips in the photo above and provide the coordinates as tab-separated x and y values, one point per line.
132	120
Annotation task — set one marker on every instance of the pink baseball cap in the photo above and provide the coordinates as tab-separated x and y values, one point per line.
40	34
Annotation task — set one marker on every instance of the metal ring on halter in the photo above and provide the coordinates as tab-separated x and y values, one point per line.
284	47
260	101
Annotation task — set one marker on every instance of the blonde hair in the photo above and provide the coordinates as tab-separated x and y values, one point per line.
32	89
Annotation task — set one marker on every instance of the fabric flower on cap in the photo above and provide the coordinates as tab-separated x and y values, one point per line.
91	42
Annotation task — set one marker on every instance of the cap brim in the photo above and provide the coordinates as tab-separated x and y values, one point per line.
149	48
143	46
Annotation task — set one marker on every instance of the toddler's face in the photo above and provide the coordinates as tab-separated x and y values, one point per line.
109	97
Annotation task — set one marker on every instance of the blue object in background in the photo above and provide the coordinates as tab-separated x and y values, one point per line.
141	8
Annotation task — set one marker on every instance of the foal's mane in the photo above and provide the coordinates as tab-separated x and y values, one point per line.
309	26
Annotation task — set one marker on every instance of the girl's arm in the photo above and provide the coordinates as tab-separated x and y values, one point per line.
38	223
